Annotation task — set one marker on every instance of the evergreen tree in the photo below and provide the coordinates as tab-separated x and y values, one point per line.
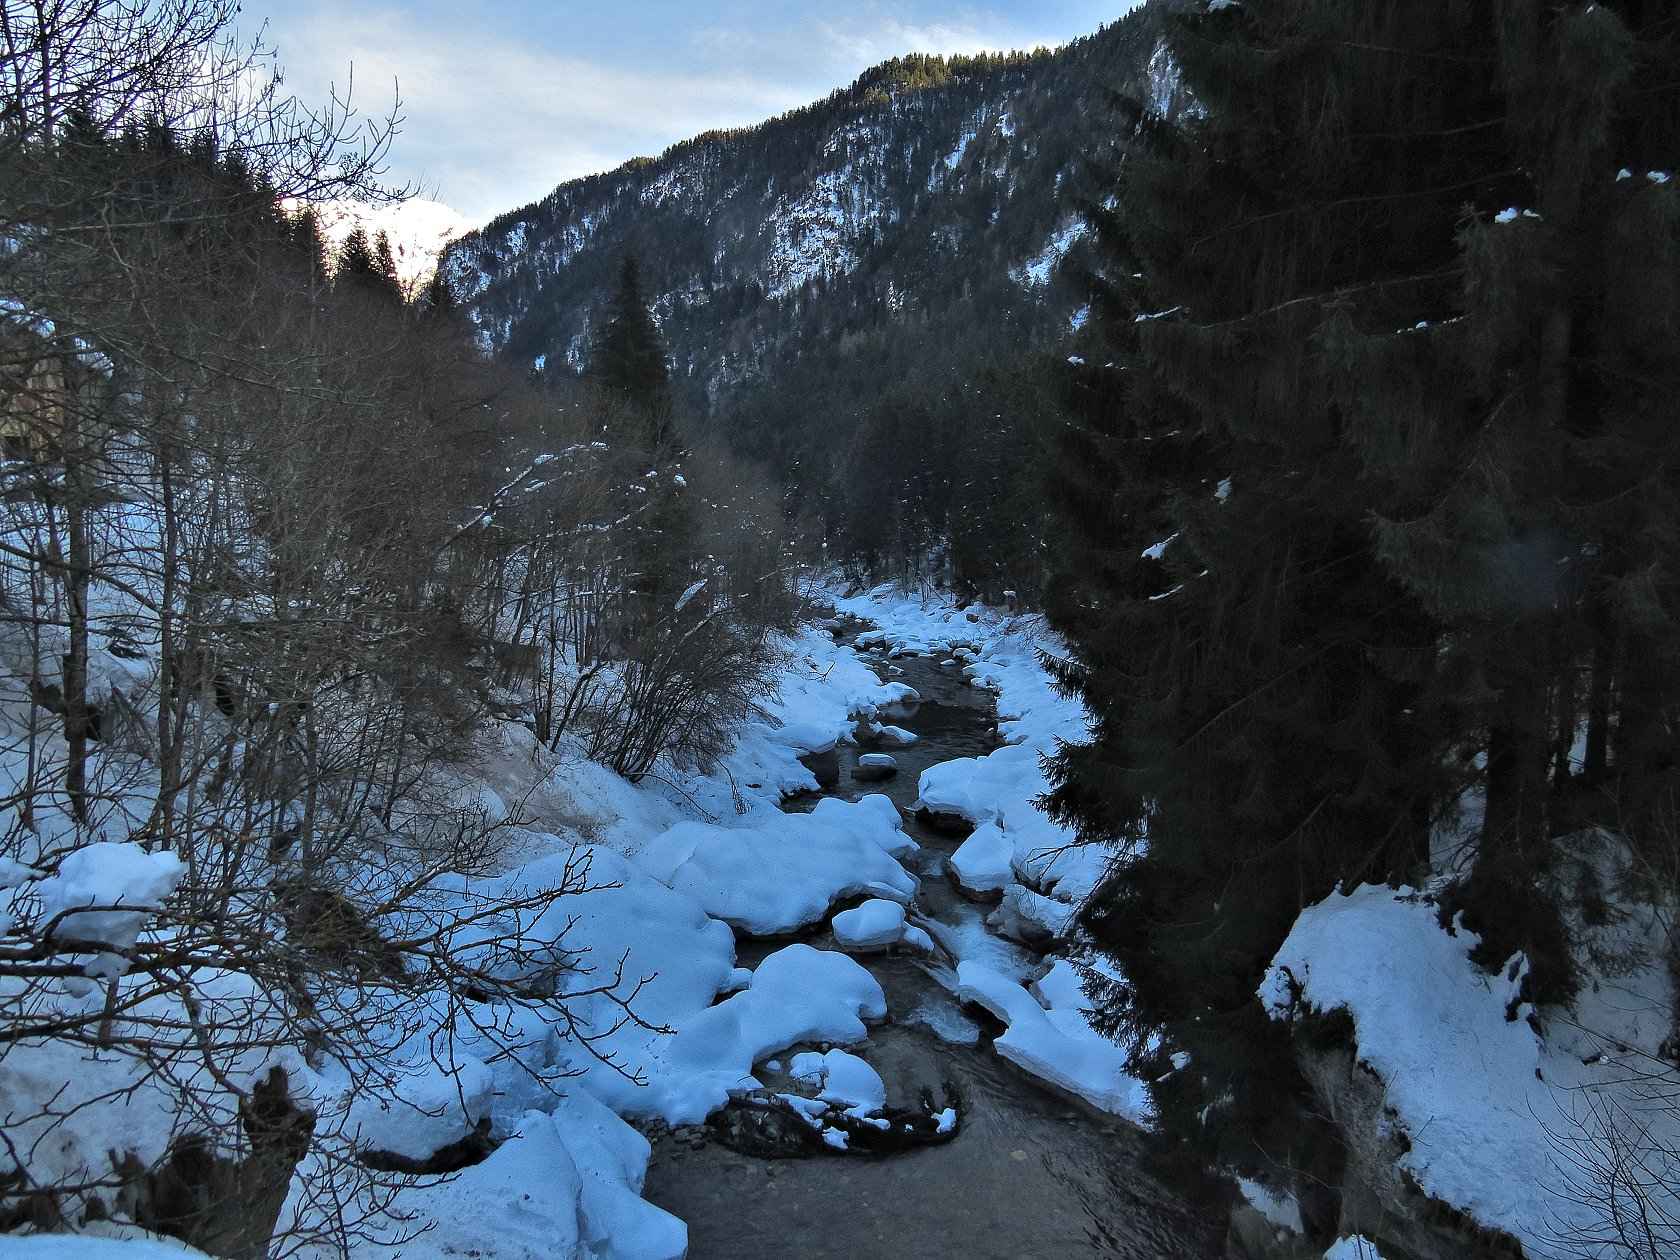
1277	707
628	358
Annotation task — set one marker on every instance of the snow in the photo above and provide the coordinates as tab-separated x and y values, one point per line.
875	924
982	863
432	1105
894	737
1036	271
1490	1106
849	1082
95	1247
688	595
1280	1210
1353	1247
785	873
1057	1046
877	765
107	875
798	994
567	1183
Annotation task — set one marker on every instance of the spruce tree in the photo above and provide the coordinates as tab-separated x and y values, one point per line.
628	358
1271	709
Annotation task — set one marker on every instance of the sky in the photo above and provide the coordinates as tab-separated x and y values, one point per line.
505	99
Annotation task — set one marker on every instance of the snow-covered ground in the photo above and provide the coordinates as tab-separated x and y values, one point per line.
1546	1124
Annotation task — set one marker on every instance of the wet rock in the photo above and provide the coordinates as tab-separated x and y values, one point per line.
873	767
825	766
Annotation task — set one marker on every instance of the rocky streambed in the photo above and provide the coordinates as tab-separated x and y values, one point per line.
1002	1167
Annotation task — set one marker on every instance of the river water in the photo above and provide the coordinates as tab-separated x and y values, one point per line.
1030	1174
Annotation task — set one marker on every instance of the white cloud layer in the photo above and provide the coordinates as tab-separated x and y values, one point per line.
504	101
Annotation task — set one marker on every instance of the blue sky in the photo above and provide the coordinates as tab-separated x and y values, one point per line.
504	100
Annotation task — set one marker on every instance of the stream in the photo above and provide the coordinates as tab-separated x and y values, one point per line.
1030	1173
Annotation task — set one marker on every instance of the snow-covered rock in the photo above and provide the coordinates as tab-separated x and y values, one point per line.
565	1184
107	876
982	863
875	924
842	1079
798	994
1488	1106
426	1110
894	737
1056	1046
873	767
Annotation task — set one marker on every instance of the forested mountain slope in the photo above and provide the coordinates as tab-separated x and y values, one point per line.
868	253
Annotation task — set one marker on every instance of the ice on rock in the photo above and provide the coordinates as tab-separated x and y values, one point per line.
982	863
875	924
785	873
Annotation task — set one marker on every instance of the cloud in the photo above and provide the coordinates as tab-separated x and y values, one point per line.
492	122
501	103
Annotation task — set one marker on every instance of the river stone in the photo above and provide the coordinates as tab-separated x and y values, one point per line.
875	924
873	767
894	737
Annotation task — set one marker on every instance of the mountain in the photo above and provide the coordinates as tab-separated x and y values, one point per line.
928	188
418	230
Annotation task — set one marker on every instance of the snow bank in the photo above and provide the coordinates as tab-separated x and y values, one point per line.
428	1108
785	873
1484	1100
566	1184
96	1247
1056	1045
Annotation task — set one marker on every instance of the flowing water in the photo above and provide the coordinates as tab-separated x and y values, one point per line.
1030	1174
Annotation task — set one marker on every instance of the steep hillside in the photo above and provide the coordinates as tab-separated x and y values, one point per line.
929	190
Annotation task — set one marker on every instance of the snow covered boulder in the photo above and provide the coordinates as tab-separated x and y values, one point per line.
895	737
563	1185
842	1079
897	698
785	873
798	994
981	866
873	767
875	924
